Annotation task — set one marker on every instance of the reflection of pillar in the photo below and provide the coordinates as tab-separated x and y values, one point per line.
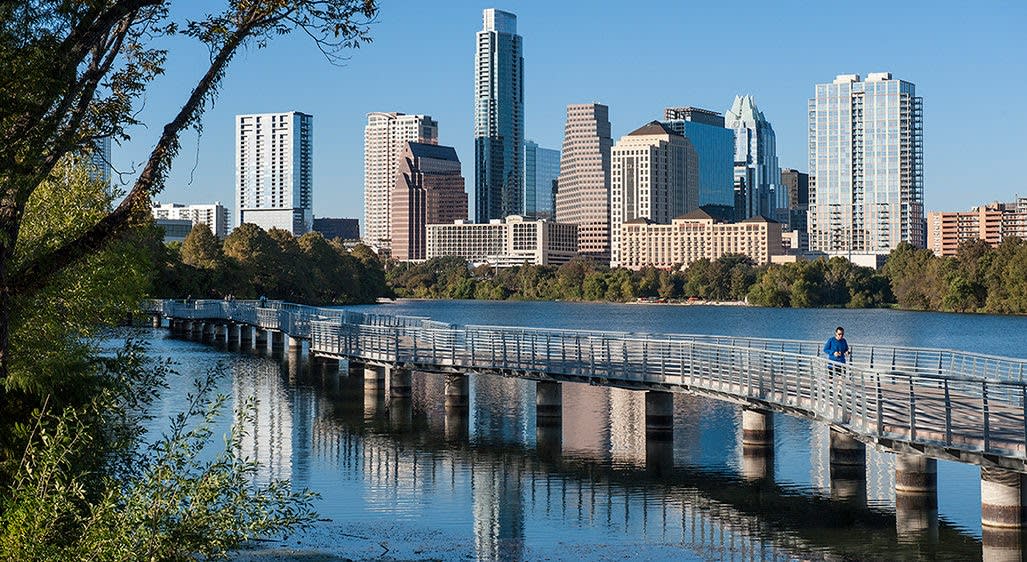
156	320
207	332
374	390
260	339
757	445
498	512
277	340
400	381
354	368
401	405
659	431
245	336
220	333
548	419
457	407
848	467
233	335
916	497
295	344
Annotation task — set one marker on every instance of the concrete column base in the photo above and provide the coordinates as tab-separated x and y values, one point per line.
400	383
457	407
757	428
1002	498
548	404
659	415
374	391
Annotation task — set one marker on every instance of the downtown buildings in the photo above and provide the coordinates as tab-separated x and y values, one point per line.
274	171
429	190
385	138
215	216
505	243
583	187
715	146
541	169
654	175
866	188
498	118
993	223
756	169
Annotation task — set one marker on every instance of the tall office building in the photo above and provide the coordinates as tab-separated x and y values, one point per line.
866	165
274	171
498	118
429	190
654	174
715	145
385	137
756	167
583	187
796	183
541	168
100	160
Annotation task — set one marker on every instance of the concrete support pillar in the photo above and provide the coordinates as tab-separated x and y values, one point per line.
260	339
329	366
757	445
549	419
189	330
277	340
233	334
245	336
354	368
374	391
207	335
916	498
659	415
400	382
457	407
295	344
220	333
156	320
1003	504
848	467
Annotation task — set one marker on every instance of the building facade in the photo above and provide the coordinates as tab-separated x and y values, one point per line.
654	174
541	169
866	165
498	118
274	171
332	228
715	146
505	243
583	187
385	137
756	168
100	160
429	190
175	230
215	216
796	184
993	223
695	236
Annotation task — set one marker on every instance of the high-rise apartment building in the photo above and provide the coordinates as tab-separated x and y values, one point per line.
385	137
993	223
715	145
866	165
100	159
583	187
541	168
796	183
274	170
215	215
654	174
756	167
429	190
498	118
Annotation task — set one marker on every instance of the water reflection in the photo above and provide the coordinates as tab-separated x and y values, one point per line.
463	458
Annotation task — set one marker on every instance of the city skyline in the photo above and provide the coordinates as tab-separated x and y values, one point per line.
341	109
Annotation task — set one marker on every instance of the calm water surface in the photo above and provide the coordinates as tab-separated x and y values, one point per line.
403	482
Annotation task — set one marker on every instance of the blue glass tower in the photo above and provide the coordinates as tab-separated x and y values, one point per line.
541	168
715	146
498	118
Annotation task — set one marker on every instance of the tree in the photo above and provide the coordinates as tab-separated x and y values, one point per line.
201	248
75	71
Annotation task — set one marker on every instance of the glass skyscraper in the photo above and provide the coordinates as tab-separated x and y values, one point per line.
715	146
756	166
498	118
541	168
866	165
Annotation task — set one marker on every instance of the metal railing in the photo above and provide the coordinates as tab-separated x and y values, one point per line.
957	400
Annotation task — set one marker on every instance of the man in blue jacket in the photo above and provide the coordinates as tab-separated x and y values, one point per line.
837	348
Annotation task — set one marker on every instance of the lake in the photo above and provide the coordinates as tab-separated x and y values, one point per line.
407	485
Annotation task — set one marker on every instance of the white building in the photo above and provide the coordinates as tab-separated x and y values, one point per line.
214	215
385	137
654	175
274	171
505	243
866	192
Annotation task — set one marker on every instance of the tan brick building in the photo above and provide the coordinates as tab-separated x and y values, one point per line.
695	236
505	243
992	223
429	190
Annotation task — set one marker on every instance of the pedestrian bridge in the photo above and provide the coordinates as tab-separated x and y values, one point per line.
922	403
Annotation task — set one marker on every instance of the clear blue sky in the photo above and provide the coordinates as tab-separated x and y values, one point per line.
967	59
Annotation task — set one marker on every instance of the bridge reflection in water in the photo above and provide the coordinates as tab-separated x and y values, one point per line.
594	465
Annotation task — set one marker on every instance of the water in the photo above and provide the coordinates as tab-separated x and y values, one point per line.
405	482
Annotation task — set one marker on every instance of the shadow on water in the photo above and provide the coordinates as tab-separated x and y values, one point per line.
537	484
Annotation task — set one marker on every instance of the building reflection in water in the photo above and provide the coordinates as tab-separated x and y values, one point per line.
601	487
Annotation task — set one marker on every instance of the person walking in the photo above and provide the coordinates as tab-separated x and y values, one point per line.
837	348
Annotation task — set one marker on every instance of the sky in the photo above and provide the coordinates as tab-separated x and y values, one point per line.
967	60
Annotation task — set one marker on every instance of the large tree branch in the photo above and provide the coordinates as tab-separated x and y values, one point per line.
35	275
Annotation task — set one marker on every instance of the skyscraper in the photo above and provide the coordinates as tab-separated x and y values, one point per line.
715	146
429	190
755	158
274	171
385	137
796	183
583	187
866	165
541	168
498	118
654	174
100	160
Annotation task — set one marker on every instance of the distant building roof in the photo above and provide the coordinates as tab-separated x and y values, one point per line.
716	213
760	218
438	152
652	128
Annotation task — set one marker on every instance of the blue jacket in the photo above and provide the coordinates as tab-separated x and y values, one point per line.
834	345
